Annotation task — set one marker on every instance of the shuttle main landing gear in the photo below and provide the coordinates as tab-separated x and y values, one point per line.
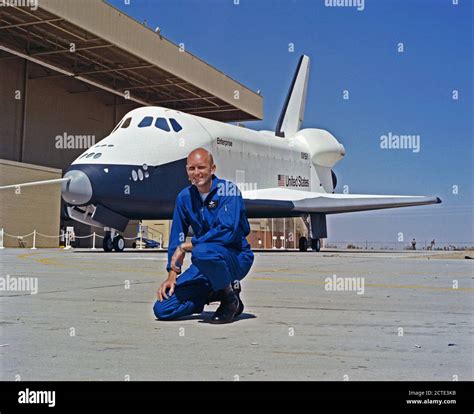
303	244
316	225
315	244
113	241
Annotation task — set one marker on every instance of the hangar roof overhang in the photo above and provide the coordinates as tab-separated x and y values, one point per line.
91	41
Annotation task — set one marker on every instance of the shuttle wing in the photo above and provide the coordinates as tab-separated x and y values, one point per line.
297	201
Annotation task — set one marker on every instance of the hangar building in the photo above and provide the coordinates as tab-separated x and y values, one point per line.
69	71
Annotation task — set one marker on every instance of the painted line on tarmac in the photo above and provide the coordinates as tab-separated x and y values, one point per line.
50	261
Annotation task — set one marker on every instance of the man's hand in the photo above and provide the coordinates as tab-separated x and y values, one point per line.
169	283
177	259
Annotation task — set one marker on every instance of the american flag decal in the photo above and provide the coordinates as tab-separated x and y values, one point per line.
281	180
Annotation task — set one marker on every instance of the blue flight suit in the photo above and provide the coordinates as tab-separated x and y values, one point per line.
221	253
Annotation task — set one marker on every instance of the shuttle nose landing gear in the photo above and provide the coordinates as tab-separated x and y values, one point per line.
113	241
107	243
119	243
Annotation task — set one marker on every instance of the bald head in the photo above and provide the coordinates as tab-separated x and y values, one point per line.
200	155
200	168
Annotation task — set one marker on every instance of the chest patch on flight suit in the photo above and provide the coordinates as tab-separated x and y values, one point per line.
212	204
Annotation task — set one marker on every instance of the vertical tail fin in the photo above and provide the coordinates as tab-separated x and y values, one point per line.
292	114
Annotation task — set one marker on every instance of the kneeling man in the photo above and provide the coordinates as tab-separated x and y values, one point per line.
221	255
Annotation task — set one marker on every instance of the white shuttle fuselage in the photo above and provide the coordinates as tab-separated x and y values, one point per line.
137	171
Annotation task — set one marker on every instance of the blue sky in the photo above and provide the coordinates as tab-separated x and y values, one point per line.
402	93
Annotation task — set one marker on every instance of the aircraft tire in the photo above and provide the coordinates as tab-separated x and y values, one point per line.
316	245
119	243
303	244
107	244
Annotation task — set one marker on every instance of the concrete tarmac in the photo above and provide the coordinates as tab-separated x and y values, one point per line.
333	315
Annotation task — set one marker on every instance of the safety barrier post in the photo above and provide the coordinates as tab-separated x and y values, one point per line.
283	245
34	240
1	239
294	232
67	246
141	237
93	242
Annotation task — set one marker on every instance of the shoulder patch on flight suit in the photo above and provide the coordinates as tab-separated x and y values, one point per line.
212	204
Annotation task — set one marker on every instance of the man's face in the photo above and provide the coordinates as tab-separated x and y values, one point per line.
200	170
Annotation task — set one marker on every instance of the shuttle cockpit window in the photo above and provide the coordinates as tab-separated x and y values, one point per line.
126	123
175	124
145	122
162	123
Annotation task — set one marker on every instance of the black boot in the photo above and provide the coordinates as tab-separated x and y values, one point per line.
228	308
237	289
216	296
